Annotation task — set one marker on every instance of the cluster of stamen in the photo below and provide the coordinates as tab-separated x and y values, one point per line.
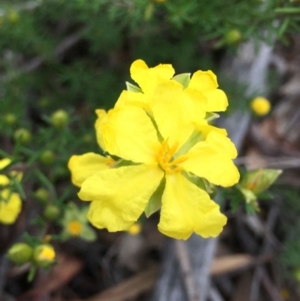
166	158
74	227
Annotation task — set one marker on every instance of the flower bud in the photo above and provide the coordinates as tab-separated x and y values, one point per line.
22	135
44	255
233	36
51	212
13	17
59	119
88	138
20	253
10	119
135	229
260	106
47	157
260	180
42	195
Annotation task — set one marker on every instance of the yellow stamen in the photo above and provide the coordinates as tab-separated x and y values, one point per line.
110	161
75	227
165	158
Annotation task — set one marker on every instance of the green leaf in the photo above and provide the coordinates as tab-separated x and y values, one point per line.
183	79
248	195
132	88
88	234
154	203
211	116
195	137
199	182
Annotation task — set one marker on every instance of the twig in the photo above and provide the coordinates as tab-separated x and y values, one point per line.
214	294
66	44
129	288
258	274
187	271
271	162
31	5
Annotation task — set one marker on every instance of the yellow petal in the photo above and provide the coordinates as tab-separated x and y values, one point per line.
129	133
129	98
102	117
206	83
203	81
175	111
84	166
148	78
120	195
212	159
9	209
187	209
216	100
4	162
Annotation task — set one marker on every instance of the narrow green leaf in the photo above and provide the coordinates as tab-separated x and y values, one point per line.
154	203
132	88
183	79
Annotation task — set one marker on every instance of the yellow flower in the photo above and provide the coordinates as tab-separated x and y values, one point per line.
10	202
166	147
200	91
260	106
120	195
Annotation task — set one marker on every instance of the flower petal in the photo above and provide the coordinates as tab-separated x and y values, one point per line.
86	165
186	208
102	118
148	78
175	111
129	133
133	99
206	83
216	100
9	209
120	195
203	81
212	159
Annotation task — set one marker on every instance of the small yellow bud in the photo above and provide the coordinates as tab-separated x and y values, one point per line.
88	138
44	255
47	157
51	212
135	229
297	275
10	119
47	238
43	102
260	106
60	119
20	253
42	195
22	135
74	228
13	17
233	36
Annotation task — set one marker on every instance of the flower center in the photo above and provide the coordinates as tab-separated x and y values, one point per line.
74	227
166	158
